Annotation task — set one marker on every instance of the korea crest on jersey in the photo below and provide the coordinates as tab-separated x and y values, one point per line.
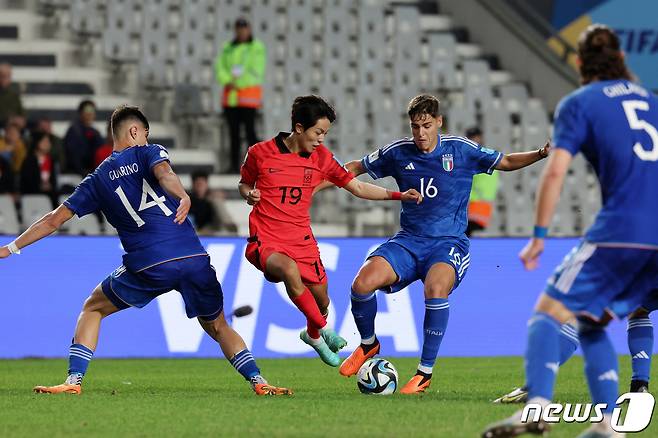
448	163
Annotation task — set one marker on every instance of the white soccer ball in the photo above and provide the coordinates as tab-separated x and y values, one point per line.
377	376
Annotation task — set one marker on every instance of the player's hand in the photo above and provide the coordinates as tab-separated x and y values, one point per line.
546	149
4	252
529	255
183	210
412	195
253	196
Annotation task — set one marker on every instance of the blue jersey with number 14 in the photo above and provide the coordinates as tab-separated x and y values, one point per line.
443	176
615	125
124	189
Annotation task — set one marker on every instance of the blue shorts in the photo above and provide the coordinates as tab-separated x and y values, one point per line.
411	257
193	277
594	279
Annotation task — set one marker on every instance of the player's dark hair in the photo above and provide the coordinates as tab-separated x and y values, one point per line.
423	104
601	58
125	113
84	104
307	110
473	131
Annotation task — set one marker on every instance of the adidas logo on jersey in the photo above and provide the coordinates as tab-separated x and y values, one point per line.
410	166
641	355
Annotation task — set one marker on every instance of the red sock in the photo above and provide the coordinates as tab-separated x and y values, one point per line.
314	319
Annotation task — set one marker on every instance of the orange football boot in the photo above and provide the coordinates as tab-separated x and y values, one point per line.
59	389
267	389
416	385
351	365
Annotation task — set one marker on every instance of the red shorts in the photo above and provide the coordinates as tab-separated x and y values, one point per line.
306	254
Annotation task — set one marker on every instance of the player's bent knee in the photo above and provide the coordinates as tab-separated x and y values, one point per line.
553	308
438	290
98	302
639	313
365	284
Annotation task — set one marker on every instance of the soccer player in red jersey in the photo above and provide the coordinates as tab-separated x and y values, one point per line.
278	177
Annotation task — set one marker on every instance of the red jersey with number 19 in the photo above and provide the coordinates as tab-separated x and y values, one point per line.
286	182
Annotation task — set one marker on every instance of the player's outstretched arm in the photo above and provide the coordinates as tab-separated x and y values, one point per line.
365	190
548	195
355	167
169	181
519	160
38	230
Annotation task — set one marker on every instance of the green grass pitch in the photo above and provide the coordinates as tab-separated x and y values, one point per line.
206	397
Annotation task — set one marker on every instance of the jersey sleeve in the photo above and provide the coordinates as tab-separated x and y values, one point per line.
335	172
378	164
570	126
249	168
483	159
84	199
154	154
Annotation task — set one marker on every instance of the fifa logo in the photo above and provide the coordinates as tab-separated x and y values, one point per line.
638	412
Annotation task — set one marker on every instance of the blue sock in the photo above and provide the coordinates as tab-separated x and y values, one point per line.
79	358
542	355
601	366
245	364
437	311
640	344
364	310
568	342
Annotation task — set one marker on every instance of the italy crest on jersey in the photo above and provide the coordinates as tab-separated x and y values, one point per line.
448	163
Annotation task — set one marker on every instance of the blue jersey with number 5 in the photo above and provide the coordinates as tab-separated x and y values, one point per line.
615	125
124	189
443	176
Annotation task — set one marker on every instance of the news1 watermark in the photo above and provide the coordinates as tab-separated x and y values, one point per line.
638	412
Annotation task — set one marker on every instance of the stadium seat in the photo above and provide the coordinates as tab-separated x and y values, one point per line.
188	160
514	97
337	55
8	216
119	28
155	44
442	61
372	31
33	207
497	129
477	85
534	127
459	119
85	17
191	43
239	211
407	53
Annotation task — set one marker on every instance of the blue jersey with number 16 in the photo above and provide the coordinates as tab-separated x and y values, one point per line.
615	125
124	189
443	176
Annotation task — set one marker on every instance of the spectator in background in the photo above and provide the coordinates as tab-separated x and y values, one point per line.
240	68
205	214
105	150
483	193
39	171
82	140
12	147
6	177
10	98
45	125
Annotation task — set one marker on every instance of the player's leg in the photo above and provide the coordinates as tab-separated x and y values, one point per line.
96	307
376	273
640	346
249	120
333	340
280	266
439	282
236	351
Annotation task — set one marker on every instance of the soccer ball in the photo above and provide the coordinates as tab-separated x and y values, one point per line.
377	376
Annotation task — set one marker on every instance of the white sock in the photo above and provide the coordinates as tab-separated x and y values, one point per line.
315	341
424	369
369	341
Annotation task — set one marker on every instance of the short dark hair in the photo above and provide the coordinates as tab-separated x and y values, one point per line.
199	174
36	139
423	104
85	103
125	113
600	55
307	110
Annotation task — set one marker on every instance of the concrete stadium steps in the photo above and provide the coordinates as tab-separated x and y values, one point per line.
58	88
8	32
37	53
97	79
25	22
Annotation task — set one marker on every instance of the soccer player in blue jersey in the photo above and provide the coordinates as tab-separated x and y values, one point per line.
614	123
431	245
144	200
